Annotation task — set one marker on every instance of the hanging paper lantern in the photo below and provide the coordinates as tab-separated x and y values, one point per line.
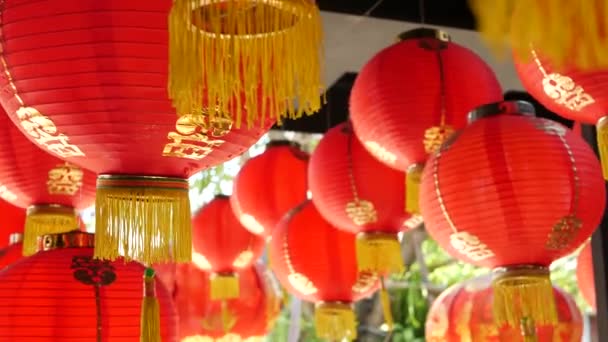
412	95
268	51
355	192
12	223
464	313
222	246
585	276
99	100
63	293
513	192
11	254
268	185
202	319
317	262
52	190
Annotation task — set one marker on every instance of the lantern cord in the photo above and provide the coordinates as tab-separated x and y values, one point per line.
421	11
442	91
97	288
385	300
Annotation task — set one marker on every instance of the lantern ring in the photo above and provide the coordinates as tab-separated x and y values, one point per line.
73	239
519	270
50	209
431	39
498	108
294	148
129	181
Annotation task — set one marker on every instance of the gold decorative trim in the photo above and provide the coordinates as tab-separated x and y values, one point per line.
361	212
73	239
64	179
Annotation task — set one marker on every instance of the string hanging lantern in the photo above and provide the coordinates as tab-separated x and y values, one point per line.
513	192
585	275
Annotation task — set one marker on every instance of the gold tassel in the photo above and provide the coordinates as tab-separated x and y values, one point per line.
523	294
385	300
46	219
143	218
335	322
602	143
379	253
224	286
150	310
412	188
566	31
528	330
231	54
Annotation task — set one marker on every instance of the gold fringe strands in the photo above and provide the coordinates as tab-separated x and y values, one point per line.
143	218
224	286
150	310
385	300
379	253
46	219
572	32
265	55
335	322
523	296
412	188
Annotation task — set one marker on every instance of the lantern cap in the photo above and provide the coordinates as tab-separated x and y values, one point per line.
501	108
221	196
428	34
15	238
283	142
50	208
73	239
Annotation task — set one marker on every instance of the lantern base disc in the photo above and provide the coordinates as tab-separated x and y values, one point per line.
379	253
46	219
335	321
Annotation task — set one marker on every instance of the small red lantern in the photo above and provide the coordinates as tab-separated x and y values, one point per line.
317	262
69	295
585	275
222	246
101	102
236	319
355	192
412	95
464	313
260	201
13	222
513	192
51	190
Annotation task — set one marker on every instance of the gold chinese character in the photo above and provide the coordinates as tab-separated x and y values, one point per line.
470	246
563	232
564	91
64	179
361	212
302	284
435	136
365	282
192	137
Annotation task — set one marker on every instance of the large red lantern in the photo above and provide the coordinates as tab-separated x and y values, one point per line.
317	262
412	95
513	192
249	316
13	222
268	185
11	254
464	313
52	190
355	192
63	293
100	101
222	246
585	275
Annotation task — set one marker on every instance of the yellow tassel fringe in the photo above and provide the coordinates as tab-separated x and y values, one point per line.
522	295
265	55
385	300
379	253
565	31
335	322
141	220
150	310
412	188
46	219
224	286
602	143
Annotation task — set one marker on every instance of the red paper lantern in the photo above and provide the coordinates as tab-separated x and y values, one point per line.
51	189
585	275
11	254
464	313
355	192
412	95
250	315
513	192
222	246
89	84
317	262
63	293
260	200
13	222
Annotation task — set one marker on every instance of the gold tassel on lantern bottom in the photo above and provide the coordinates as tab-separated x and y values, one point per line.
335	322
412	188
150	310
602	143
46	219
379	253
143	218
224	286
523	295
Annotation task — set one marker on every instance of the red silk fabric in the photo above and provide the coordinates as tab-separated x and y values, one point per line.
315	261
13	221
585	275
268	185
512	190
88	81
42	299
220	243
396	97
464	312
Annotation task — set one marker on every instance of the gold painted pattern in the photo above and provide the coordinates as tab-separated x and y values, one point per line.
365	282
243	259
435	136
361	212
64	179
6	194
299	281
380	152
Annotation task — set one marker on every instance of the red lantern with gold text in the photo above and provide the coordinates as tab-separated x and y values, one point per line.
464	313
585	275
12	224
69	295
268	185
317	262
101	102
202	319
52	190
412	95
513	192
222	246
